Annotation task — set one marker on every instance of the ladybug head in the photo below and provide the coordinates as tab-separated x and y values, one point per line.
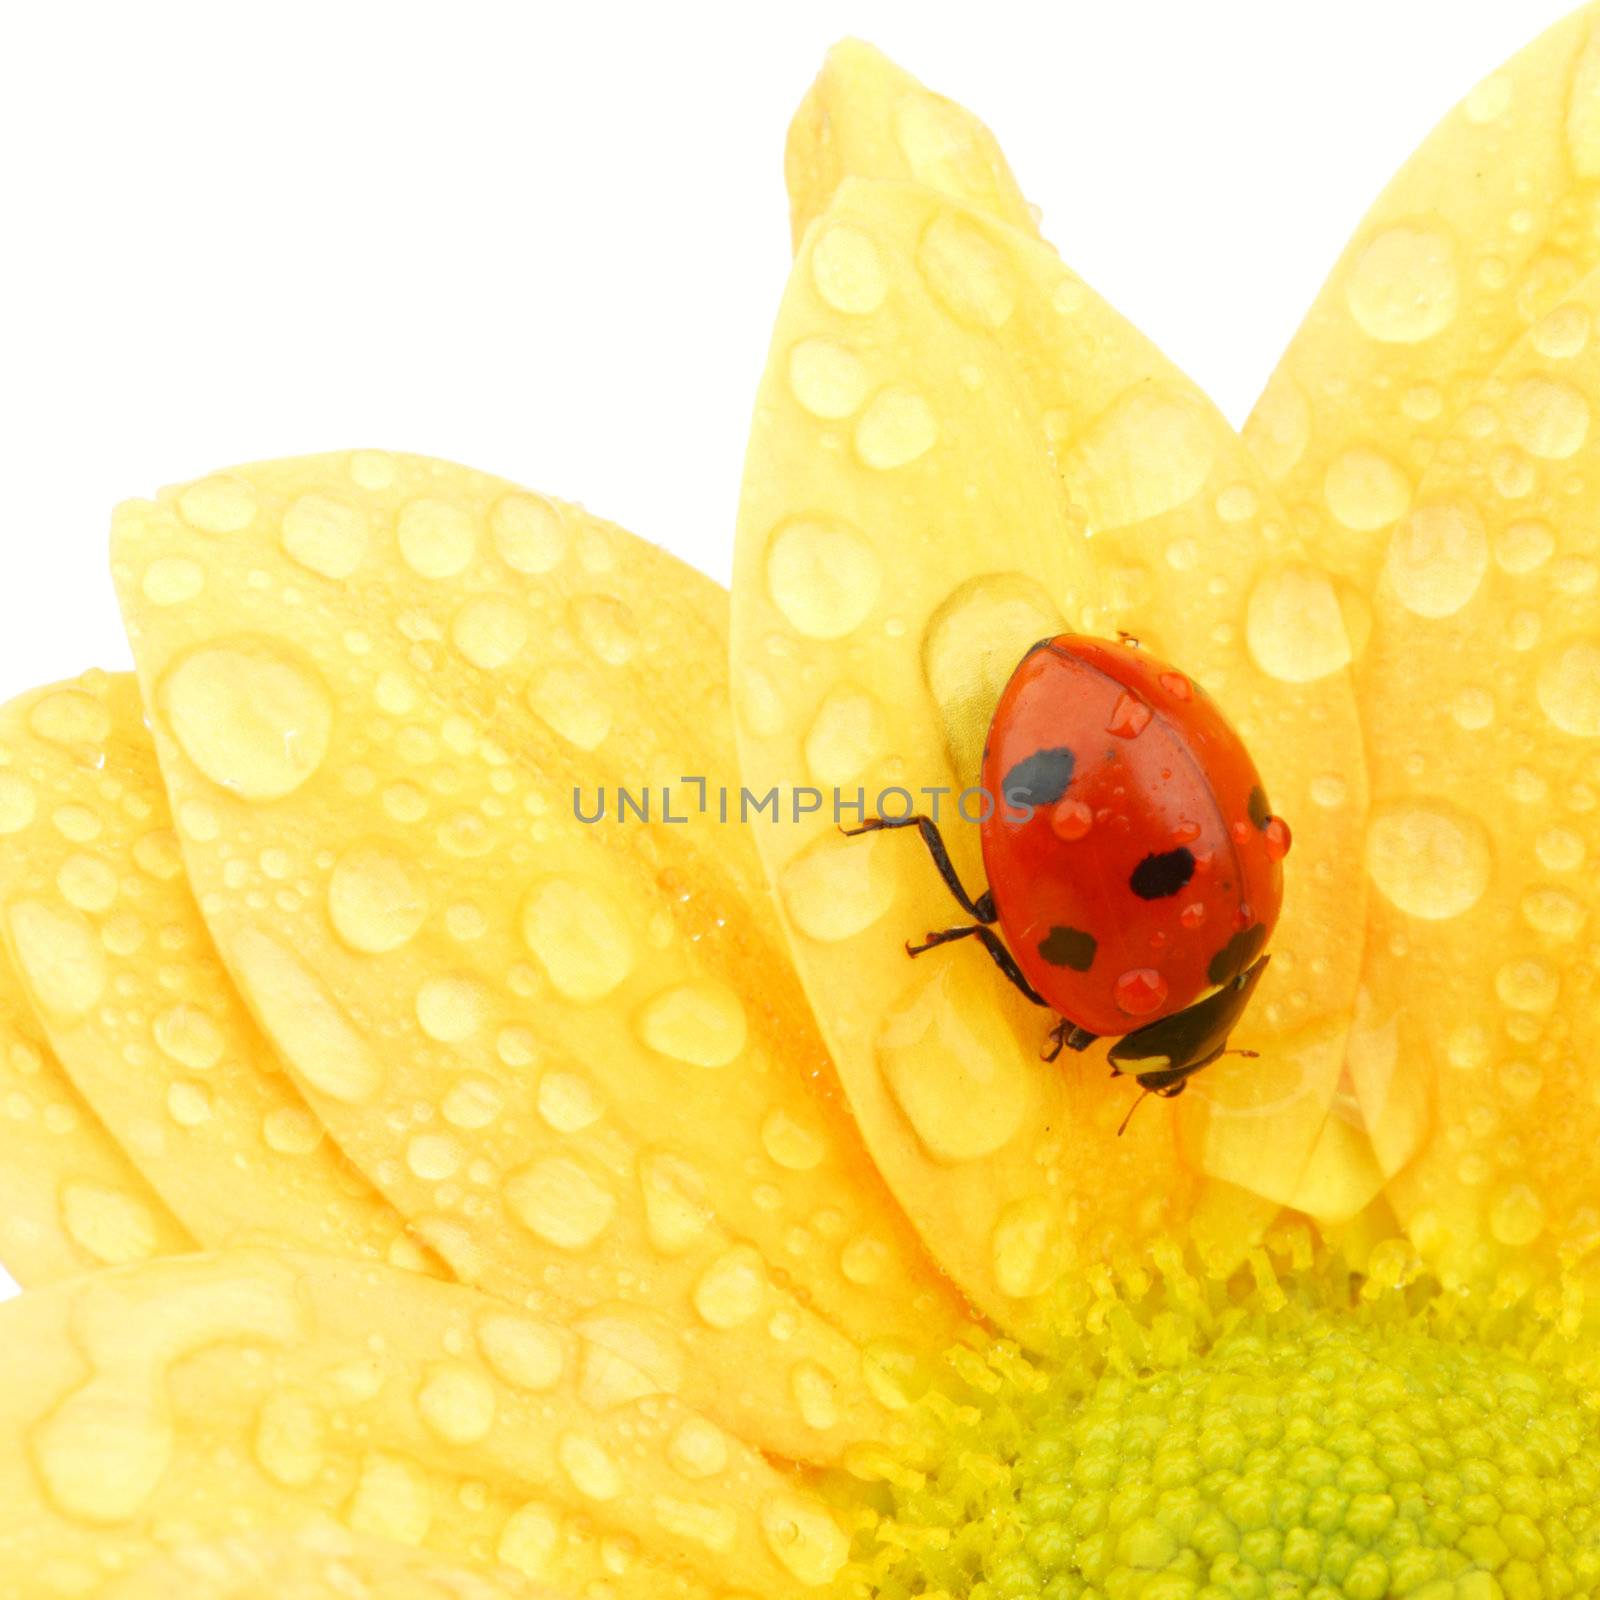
1163	1053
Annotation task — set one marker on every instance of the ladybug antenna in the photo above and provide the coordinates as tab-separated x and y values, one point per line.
1122	1127
1249	1055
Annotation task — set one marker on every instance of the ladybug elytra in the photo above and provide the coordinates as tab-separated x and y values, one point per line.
1134	863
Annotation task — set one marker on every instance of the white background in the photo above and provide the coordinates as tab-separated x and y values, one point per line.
548	241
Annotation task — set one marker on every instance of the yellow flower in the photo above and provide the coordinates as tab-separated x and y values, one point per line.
425	1191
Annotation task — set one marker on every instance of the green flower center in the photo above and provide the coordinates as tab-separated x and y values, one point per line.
1307	1442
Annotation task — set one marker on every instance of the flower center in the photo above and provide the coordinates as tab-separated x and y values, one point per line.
1312	1442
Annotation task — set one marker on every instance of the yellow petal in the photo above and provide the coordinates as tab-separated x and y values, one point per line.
1022	460
322	1561
115	959
1483	700
1482	231
866	118
184	1399
572	1054
69	1197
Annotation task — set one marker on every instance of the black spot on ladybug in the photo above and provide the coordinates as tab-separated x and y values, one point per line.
1040	779
1069	947
1237	954
1259	811
1163	873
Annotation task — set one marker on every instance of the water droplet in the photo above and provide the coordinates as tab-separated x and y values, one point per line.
1428	861
87	882
559	1201
376	900
1437	558
115	1228
1473	708
580	936
1130	716
815	1395
589	1469
1554	912
190	1037
733	1289
451	1008
1516	1217
530	1539
1527	985
804	1538
325	535
826	378
436	538
253	721
1279	428
70	718
291	1439
218	505
17	803
1294	626
845	735
568	1102
698	1449
848	271
1149	453
526	1354
1562	334
837	888
490	631
324	1046
529	533
606	626
471	1102
1028	1247
570	701
391	1501
1140	992
966	272
1569	688
676	1210
1365	490
434	1157
456	1402
1404	286
291	1131
798	1146
1548	419
953	1065
702	1023
1560	850
897	428
59	958
823	576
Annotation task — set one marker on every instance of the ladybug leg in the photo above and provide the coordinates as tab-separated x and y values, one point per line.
982	908
990	941
1067	1035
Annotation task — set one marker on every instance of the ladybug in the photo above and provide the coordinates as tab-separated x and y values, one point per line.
1134	864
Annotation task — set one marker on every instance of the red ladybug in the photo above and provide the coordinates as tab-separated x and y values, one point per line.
1134	862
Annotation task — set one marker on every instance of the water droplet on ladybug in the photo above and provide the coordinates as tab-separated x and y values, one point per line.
1240	832
1177	685
1244	916
1140	991
1130	716
1071	819
1279	838
1193	914
1186	833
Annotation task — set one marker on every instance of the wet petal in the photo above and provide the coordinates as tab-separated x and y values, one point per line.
126	983
864	117
1022	460
1483	699
178	1399
1483	230
570	1053
69	1197
322	1561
